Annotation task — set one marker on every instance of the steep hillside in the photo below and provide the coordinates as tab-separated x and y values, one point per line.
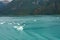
32	7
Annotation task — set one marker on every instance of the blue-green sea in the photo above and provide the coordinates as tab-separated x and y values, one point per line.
30	28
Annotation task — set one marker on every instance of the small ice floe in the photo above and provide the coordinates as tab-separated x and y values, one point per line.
18	24
2	22
15	26
9	23
19	28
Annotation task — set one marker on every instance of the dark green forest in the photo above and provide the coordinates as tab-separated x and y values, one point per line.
32	7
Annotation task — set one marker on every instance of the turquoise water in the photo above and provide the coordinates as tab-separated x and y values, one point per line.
30	28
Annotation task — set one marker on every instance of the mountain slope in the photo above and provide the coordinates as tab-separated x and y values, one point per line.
32	7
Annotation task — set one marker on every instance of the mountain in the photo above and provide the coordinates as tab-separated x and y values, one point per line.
32	7
2	5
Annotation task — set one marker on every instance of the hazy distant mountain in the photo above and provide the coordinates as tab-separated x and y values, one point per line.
2	5
32	7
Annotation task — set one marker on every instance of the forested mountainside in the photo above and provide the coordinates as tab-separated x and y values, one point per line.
32	7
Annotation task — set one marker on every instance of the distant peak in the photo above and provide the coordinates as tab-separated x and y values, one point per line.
6	1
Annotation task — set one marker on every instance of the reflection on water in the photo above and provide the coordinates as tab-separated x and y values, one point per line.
30	28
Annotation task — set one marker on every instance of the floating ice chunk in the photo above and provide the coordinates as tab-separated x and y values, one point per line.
2	22
9	23
18	24
15	26
20	28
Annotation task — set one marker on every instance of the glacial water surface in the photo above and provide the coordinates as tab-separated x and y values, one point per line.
30	28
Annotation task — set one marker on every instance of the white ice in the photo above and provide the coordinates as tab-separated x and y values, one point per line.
19	28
